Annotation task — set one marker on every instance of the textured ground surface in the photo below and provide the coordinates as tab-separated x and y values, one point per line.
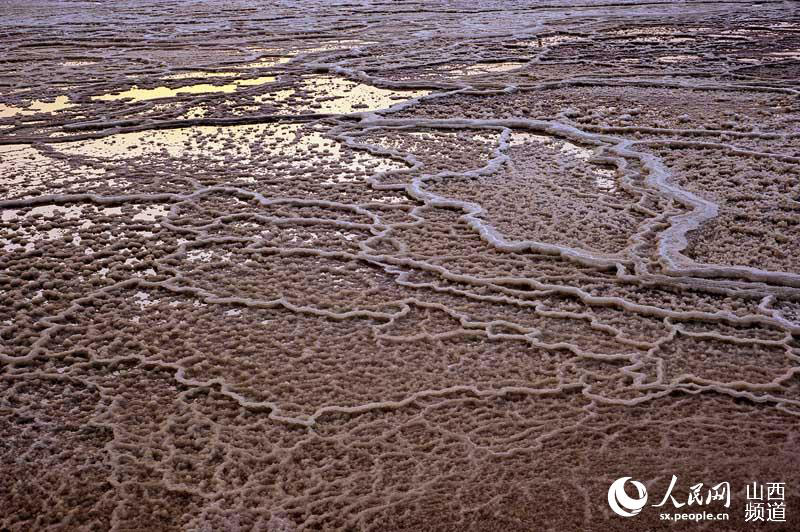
401	266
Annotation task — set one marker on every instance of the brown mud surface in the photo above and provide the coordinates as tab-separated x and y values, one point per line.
434	266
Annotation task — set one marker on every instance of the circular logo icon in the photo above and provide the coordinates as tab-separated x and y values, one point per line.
621	503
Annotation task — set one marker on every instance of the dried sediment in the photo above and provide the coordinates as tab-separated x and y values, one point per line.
395	281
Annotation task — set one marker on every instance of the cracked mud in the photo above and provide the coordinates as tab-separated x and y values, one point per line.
401	266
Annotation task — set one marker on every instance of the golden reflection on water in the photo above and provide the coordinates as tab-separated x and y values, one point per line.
136	94
304	148
342	96
37	106
333	95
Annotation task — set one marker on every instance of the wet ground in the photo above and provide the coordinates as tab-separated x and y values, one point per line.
397	266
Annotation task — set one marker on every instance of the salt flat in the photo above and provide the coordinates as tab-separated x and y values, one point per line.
399	266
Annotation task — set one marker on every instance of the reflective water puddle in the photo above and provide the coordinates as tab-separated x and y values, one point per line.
36	107
604	178
342	96
136	94
246	144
